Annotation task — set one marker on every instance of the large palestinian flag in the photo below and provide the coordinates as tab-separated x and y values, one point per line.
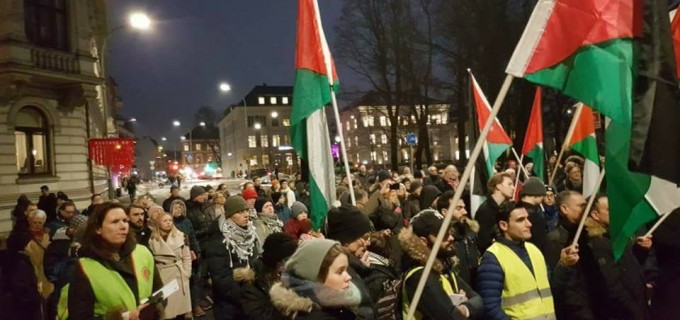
617	57
314	75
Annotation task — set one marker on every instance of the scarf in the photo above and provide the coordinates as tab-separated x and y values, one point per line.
376	259
239	241
271	222
322	295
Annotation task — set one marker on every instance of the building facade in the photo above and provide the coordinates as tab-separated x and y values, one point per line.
366	128
50	99
201	150
255	134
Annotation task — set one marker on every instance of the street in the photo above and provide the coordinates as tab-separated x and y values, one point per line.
160	194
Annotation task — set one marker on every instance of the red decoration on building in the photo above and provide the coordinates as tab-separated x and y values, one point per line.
117	154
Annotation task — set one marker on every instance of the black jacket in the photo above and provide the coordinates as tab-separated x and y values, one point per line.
19	297
255	284
168	202
221	265
666	244
142	234
358	271
200	220
48	203
411	207
486	217
618	288
465	241
434	302
539	227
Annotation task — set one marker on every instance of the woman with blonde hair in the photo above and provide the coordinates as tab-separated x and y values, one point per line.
172	255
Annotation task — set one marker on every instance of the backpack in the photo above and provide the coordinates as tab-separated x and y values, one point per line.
388	304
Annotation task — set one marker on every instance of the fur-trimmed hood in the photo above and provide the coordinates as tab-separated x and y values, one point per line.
244	275
288	302
595	230
416	249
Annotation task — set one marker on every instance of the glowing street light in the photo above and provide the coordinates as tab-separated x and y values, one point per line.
224	87
164	139
202	124
257	126
133	120
176	123
275	114
182	138
139	20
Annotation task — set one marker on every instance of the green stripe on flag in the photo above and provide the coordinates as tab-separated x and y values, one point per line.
495	151
587	148
536	154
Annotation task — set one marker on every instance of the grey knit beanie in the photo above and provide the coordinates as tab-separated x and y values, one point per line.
234	205
297	208
533	187
306	261
196	191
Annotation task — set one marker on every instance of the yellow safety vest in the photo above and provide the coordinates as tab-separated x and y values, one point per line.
525	295
446	285
109	288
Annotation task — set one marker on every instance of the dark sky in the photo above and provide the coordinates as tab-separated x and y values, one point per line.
171	71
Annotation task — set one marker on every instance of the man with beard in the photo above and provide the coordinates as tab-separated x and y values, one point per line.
513	276
449	180
464	236
433	176
445	295
142	232
362	176
351	228
257	183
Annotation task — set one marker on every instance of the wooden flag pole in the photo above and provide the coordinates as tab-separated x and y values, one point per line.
521	166
586	212
657	224
329	71
459	192
565	144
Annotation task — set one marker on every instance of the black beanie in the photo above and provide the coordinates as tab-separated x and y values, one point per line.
277	247
383	175
275	197
426	223
347	224
259	203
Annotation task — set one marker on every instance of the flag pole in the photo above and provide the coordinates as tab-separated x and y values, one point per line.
329	71
657	224
586	212
459	192
515	195
565	144
526	173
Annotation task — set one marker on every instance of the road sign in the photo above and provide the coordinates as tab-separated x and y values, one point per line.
411	139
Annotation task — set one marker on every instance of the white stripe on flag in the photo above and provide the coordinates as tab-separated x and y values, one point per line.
319	157
530	38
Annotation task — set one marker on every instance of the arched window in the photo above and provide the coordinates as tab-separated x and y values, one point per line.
32	142
45	22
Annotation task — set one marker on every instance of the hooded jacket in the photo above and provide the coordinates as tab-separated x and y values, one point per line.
184	224
437	304
618	288
256	282
200	220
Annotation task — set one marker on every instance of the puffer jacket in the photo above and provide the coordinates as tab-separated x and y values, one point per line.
200	220
255	284
294	305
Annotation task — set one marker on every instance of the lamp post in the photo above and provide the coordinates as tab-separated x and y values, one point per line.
224	88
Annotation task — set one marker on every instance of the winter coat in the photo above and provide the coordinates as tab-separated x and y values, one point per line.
19	297
200	220
215	210
411	207
377	203
256	282
283	212
379	281
435	303
298	307
486	217
618	288
59	264
465	241
184	224
358	271
36	253
263	231
666	244
221	264
173	261
142	234
572	298
48	203
167	204
539	228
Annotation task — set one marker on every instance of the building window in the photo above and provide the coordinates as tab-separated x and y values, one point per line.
185	147
349	142
371	137
264	141
385	156
276	140
383	139
31	136
252	142
286	122
347	125
272	100
198	147
275	122
355	123
286	140
284	100
252	120
253	160
383	121
45	22
356	141
265	159
260	100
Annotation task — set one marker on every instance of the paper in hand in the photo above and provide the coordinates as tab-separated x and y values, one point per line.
163	293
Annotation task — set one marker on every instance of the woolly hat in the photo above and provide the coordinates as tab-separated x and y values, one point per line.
427	196
234	205
277	247
426	223
259	204
383	175
249	194
297	208
306	261
347	224
533	187
76	221
196	191
414	186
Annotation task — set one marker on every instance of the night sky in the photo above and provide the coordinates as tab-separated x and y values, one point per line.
169	72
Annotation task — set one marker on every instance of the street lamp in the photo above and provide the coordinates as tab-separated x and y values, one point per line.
140	20
164	139
225	87
275	114
202	124
182	138
176	123
257	126
133	120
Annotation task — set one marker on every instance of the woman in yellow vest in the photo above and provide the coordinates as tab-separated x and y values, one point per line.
114	273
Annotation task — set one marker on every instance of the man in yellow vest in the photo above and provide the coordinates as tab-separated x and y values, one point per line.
513	278
446	296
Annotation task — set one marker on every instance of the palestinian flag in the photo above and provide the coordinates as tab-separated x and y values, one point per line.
315	75
533	140
615	56
584	142
497	141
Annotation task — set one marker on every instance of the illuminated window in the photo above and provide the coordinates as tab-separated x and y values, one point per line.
349	142
264	141
347	125
260	100
383	121
371	137
356	141
30	136
276	140
272	100
286	122
383	138
265	159
252	142
198	147
284	100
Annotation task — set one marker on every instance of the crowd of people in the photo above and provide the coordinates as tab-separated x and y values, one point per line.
256	255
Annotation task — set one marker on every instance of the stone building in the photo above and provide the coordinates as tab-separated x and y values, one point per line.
50	99
201	148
